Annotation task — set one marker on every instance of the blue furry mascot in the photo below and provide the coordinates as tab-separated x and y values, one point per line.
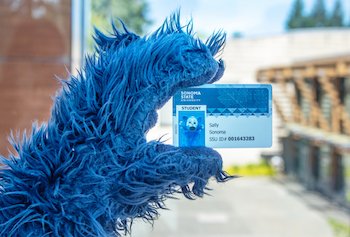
90	171
192	129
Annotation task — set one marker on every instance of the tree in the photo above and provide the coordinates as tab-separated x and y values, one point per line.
318	16
132	12
296	17
337	16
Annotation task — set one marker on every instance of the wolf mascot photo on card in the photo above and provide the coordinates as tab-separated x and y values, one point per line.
192	128
89	171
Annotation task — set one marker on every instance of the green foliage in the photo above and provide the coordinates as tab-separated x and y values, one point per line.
337	16
296	18
318	17
340	228
260	169
132	12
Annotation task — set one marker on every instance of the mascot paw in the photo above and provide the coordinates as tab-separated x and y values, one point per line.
90	171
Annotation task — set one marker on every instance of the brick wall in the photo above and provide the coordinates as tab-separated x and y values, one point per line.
35	39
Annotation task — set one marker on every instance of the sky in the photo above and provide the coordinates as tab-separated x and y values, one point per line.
249	17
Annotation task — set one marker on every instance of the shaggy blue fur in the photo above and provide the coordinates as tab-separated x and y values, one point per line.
90	171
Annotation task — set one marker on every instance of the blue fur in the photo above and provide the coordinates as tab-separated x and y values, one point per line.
89	171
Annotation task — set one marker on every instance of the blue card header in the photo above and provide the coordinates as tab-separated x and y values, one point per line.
239	100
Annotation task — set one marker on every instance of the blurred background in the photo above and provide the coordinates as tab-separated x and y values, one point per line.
298	187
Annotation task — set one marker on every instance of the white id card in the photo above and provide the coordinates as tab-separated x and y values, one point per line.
223	116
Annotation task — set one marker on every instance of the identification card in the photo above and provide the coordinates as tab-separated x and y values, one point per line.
223	116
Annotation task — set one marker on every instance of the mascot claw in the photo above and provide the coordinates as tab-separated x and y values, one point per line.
90	171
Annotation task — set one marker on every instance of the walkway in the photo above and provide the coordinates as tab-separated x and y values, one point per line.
245	207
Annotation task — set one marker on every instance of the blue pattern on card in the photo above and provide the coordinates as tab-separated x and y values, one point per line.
245	100
228	100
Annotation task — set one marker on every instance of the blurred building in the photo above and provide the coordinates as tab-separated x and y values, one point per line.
38	40
310	74
314	105
245	56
